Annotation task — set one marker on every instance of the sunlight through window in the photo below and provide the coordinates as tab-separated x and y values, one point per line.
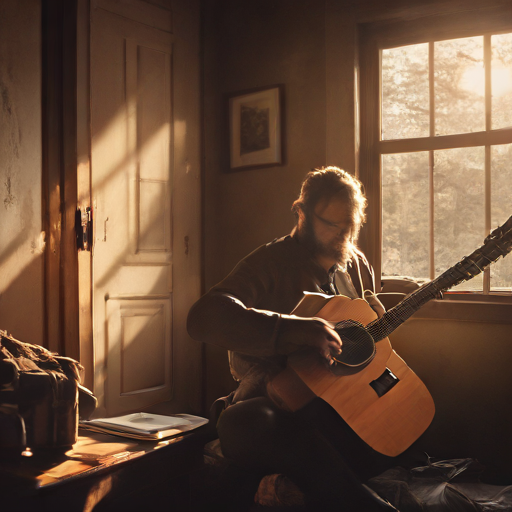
446	178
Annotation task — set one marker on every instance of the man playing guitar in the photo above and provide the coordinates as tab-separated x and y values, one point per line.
249	314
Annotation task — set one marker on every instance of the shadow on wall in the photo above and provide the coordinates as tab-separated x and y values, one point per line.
465	368
21	304
22	268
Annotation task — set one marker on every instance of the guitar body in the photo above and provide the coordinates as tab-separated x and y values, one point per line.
389	423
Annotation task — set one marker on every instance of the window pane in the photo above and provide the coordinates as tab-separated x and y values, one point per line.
459	84
501	80
459	214
405	97
405	231
501	209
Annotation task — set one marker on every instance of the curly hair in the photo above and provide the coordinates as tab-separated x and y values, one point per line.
327	182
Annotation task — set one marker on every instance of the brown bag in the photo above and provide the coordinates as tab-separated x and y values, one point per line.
38	397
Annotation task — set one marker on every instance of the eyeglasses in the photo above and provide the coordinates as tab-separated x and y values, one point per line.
344	226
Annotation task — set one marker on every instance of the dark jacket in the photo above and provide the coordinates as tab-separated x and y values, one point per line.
245	312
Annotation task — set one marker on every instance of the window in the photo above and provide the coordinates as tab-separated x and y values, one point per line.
443	144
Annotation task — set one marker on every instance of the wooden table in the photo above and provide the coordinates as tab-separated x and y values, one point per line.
104	473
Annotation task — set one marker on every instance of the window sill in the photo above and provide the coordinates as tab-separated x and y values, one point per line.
494	308
491	298
479	308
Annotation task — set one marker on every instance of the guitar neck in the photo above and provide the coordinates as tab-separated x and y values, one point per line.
497	244
396	316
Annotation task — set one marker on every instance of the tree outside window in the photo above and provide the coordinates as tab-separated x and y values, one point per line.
445	154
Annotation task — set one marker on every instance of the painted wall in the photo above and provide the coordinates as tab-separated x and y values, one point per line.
258	44
249	45
465	365
21	237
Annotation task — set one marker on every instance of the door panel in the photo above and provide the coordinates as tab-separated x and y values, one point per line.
150	86
139	353
131	182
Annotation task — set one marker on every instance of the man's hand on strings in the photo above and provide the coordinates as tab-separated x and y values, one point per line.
298	332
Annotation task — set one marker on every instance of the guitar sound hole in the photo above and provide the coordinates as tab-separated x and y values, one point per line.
358	346
385	382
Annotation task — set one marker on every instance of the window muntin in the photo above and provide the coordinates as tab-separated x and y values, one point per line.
438	205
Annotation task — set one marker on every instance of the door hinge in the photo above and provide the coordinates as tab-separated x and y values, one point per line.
83	228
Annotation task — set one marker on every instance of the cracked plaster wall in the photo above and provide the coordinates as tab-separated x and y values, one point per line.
21	237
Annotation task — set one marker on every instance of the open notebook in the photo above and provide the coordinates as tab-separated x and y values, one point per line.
145	426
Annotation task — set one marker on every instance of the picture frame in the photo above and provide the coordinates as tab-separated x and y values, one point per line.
256	128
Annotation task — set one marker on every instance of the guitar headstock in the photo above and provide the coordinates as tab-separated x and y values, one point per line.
502	235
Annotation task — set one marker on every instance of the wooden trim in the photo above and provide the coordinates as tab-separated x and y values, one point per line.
140	11
488	126
51	133
480	311
432	133
84	189
431	216
205	406
442	25
376	10
413	27
463	140
369	162
69	260
59	176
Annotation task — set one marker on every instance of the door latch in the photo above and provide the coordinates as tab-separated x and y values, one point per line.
83	228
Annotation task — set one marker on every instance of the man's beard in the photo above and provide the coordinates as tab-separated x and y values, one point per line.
340	249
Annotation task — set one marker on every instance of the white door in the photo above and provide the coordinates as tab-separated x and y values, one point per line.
141	349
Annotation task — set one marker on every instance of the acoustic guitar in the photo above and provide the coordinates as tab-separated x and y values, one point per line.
370	386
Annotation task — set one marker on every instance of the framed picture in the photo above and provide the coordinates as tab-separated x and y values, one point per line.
255	128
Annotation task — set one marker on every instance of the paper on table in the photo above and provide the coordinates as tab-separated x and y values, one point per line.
145	425
143	422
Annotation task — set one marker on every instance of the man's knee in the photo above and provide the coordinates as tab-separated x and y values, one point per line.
248	429
253	417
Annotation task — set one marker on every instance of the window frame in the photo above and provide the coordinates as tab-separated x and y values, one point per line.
372	39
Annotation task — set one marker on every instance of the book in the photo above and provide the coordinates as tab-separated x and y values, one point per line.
145	426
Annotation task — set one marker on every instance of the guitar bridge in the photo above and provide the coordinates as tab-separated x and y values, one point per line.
385	382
